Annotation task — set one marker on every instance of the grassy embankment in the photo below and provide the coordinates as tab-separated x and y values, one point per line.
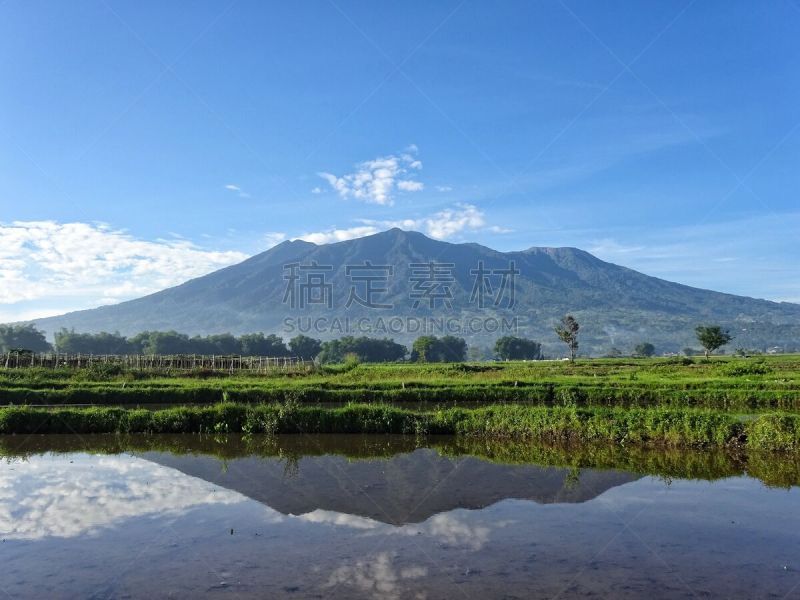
682	426
669	402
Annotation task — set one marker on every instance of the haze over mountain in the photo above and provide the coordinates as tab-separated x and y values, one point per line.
616	306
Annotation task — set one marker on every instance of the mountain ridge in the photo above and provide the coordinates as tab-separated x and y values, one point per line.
616	305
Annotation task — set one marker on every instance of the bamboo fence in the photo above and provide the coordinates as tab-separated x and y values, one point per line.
143	362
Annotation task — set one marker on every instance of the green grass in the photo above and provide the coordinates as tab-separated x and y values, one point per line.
664	426
745	385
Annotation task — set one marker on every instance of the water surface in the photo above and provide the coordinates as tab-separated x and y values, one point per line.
390	517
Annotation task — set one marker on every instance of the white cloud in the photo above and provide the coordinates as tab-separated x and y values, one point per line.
235	188
449	222
444	188
337	235
440	225
376	180
316	190
88	264
410	186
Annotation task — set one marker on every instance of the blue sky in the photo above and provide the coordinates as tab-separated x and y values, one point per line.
145	143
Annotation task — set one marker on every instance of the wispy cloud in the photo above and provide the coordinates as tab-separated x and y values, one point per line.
375	181
273	238
239	191
441	225
91	264
736	256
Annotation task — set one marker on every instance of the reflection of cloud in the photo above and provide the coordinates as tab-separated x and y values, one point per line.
448	528
375	576
50	498
335	518
452	528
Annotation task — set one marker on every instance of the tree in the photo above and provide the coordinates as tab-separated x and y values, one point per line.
366	349
305	347
613	353
645	349
452	349
712	337
164	342
22	337
422	350
429	348
567	332
92	343
257	344
516	348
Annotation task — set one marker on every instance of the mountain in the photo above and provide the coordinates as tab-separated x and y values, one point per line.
616	306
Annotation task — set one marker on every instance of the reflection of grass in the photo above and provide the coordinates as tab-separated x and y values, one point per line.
664	426
722	383
772	468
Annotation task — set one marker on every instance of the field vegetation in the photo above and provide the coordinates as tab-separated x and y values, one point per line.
726	402
737	384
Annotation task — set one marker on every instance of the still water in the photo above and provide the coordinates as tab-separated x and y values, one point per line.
390	517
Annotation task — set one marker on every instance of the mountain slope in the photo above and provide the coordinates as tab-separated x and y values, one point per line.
615	305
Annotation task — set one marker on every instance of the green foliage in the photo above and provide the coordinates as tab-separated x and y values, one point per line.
672	427
429	348
305	347
712	337
22	337
567	332
87	343
365	348
516	348
744	368
623	382
644	349
172	342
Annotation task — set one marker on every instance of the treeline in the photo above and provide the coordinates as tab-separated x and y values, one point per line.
361	349
172	342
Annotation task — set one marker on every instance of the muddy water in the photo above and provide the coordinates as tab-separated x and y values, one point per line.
390	517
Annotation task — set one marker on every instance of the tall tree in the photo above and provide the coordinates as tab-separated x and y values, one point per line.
423	349
712	337
22	337
567	332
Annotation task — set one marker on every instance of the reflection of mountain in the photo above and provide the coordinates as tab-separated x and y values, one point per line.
406	488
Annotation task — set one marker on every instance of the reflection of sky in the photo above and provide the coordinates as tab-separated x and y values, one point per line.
58	496
84	514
